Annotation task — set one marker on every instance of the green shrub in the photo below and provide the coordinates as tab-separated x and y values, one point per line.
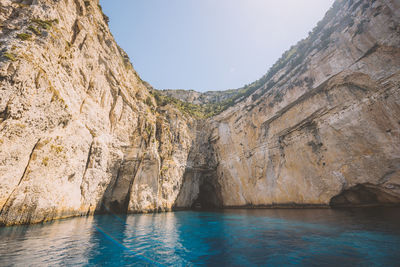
45	24
35	30
10	56
24	36
148	101
105	17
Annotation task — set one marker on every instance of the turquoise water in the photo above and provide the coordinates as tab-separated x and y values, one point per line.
345	237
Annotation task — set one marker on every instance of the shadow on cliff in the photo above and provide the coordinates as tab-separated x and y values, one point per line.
117	195
200	188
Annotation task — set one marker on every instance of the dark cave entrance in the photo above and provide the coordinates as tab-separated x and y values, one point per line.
209	194
115	207
364	195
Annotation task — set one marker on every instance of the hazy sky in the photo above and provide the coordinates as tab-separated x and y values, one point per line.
209	44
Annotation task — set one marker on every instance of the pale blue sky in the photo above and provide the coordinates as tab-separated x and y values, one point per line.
209	44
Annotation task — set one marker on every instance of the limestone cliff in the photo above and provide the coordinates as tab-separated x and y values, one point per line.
81	133
322	127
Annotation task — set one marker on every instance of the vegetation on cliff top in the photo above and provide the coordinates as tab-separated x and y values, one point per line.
194	110
292	62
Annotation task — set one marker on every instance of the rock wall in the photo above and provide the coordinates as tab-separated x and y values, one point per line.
79	131
325	121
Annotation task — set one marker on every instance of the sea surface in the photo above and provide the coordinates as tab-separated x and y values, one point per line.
256	237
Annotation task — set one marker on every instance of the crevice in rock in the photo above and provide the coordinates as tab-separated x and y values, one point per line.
200	188
79	8
81	107
4	114
75	30
86	167
82	43
88	159
113	206
364	195
29	161
117	194
125	204
369	52
104	205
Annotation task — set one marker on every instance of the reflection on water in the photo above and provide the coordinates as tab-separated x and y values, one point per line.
345	237
66	241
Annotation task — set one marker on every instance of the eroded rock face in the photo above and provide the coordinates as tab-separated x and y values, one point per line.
326	120
79	130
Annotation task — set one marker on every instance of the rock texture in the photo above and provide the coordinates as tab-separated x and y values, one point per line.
81	133
326	120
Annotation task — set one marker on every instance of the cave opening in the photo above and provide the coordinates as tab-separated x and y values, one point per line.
364	195
115	207
209	196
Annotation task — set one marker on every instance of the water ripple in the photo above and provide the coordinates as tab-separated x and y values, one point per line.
364	237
